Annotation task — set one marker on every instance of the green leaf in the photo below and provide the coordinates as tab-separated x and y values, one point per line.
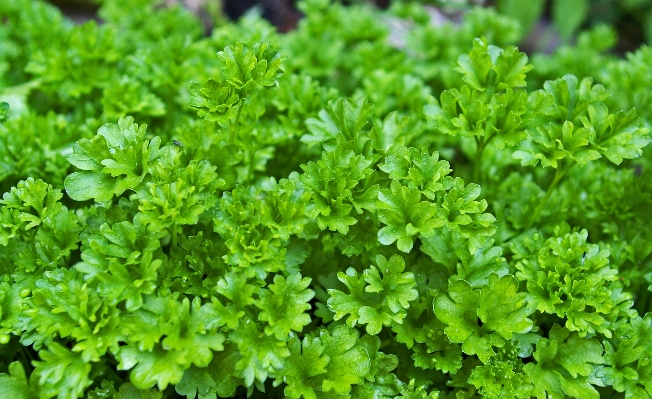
62	305
424	333
105	390
457	309
340	176
572	97
166	336
391	133
124	258
215	101
216	379
564	363
257	223
381	302
569	16
502	308
510	67
569	268
551	144
498	305
418	169
476	65
15	384
129	96
166	205
33	202
61	372
627	358
470	122
236	288
129	391
115	160
412	391
500	379
349	363
283	305
249	66
490	67
618	136
395	285
152	367
83	186
262	354
343	121
510	113
460	212
352	303
405	216
306	362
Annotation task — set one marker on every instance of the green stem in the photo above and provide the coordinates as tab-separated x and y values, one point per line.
32	239
237	121
488	140
559	174
481	143
478	158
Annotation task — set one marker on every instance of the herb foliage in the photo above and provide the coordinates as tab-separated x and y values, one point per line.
254	214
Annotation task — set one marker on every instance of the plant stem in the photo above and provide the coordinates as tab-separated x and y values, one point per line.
478	158
559	174
481	143
32	239
237	121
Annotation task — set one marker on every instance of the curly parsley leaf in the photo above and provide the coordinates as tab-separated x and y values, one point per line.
564	364
246	67
115	160
15	384
339	182
627	358
498	305
27	206
215	102
554	143
572	279
400	208
257	223
303	368
219	378
423	333
487	66
349	362
418	169
382	301
283	305
342	123
618	136
124	258
165	337
501	379
62	372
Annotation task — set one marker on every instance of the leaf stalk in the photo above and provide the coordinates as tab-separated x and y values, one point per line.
559	174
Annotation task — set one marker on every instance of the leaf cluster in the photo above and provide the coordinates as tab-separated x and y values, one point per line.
440	216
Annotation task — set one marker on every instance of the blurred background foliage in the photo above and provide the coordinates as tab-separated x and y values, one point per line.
546	24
